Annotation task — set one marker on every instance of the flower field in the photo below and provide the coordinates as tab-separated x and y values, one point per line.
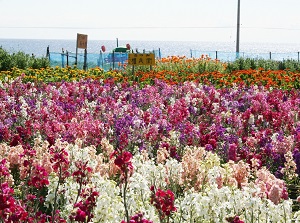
187	141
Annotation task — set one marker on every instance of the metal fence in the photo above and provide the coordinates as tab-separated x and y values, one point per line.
106	61
116	60
232	56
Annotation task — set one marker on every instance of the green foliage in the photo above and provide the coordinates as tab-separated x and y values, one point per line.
21	60
255	64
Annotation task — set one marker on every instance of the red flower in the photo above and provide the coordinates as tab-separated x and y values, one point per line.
123	161
163	201
10	209
85	207
39	177
237	220
232	152
82	172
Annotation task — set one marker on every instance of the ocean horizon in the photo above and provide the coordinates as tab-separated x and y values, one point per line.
38	47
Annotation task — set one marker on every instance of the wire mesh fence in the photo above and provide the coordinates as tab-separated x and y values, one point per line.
232	56
106	61
116	60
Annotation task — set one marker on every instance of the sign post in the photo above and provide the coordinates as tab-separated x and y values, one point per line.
143	59
81	43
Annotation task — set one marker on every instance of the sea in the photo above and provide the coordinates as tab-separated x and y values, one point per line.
38	47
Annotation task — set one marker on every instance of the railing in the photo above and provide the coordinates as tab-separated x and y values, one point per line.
232	56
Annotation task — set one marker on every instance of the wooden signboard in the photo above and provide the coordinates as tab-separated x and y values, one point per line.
81	41
141	59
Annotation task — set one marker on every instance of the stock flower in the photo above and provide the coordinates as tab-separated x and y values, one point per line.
60	162
38	177
123	161
232	152
4	171
163	202
84	208
137	218
173	136
237	220
83	171
10	209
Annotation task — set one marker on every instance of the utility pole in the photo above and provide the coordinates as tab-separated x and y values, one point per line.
238	29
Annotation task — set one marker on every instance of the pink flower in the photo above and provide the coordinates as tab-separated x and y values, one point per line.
4	171
274	194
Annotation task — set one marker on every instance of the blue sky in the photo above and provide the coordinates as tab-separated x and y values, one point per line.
194	20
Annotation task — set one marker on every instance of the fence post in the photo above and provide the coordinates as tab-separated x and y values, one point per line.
298	56
85	60
62	59
67	54
100	59
270	56
113	59
48	53
191	52
216	55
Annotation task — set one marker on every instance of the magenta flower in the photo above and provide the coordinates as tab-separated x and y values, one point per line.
137	218
232	152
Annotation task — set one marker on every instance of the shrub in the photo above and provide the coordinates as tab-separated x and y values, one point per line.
21	60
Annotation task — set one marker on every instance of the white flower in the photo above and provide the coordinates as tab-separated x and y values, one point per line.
251	119
216	107
172	100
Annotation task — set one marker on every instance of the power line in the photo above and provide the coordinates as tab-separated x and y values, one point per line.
147	27
117	27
